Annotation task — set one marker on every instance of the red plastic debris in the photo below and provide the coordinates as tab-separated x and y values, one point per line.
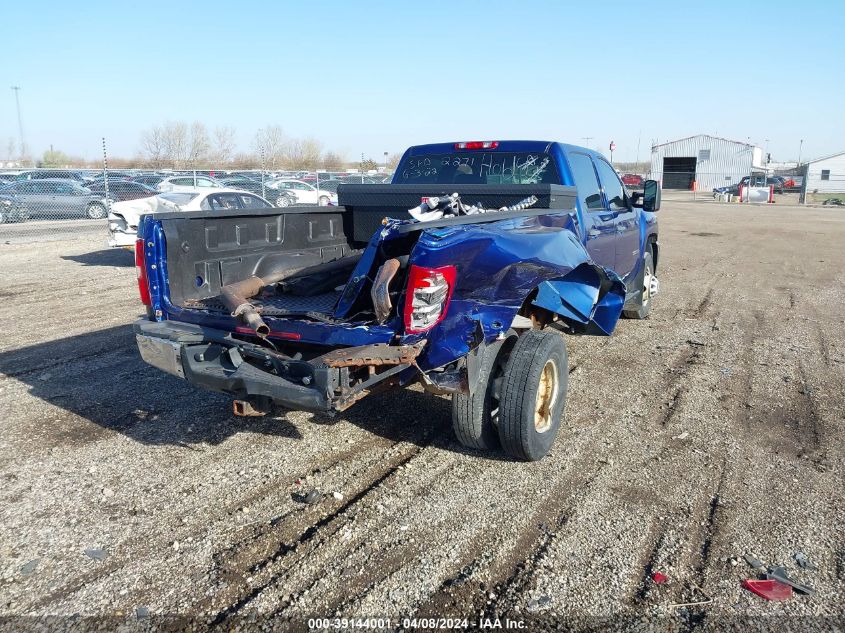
768	589
659	578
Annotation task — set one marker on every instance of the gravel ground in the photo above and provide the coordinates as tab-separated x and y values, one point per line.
710	431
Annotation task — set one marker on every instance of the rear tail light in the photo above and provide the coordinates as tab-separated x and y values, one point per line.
141	273
427	299
477	145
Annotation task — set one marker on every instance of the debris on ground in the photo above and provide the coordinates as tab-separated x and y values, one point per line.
768	589
698	603
312	497
803	562
142	613
659	578
337	496
29	567
682	436
779	574
755	563
96	554
538	604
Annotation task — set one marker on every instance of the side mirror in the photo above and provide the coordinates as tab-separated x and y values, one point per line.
651	195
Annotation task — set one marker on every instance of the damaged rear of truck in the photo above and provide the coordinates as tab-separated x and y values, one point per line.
315	308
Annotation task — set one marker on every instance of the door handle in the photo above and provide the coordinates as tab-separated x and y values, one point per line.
593	233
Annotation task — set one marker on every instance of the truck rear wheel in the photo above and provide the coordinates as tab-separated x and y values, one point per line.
533	395
648	287
474	417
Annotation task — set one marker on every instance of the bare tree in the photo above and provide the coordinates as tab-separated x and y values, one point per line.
270	141
393	160
199	145
303	154
153	146
332	161
224	144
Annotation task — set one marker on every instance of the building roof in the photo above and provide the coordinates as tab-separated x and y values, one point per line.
718	138
815	160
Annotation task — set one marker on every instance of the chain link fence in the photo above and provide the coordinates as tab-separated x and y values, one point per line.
807	185
45	200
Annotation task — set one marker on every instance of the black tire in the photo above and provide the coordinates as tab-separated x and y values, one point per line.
282	201
528	420
323	201
473	416
95	211
643	309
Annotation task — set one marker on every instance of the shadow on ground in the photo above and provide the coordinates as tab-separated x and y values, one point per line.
108	257
100	379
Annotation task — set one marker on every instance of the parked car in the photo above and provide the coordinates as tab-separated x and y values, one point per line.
777	182
186	182
348	302
12	208
120	190
762	181
58	199
304	192
279	197
633	180
151	180
124	216
41	174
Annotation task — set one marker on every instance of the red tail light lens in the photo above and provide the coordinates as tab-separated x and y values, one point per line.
141	273
477	145
428	296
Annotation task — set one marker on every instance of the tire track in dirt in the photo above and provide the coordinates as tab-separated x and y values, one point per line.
281	542
508	576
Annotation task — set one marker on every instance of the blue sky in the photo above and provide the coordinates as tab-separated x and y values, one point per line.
378	76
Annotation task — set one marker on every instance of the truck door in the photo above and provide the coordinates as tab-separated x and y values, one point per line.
626	218
600	224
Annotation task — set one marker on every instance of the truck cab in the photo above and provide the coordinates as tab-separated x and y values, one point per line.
612	228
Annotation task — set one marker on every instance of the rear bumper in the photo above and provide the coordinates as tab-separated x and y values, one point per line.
211	359
121	238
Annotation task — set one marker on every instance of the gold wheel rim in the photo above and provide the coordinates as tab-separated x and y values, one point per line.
546	396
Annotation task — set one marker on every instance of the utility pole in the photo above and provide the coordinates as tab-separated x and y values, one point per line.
17	90
800	147
587	139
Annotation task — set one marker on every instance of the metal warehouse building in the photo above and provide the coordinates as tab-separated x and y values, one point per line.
709	161
826	174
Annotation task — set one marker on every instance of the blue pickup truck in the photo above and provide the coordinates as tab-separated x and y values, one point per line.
460	275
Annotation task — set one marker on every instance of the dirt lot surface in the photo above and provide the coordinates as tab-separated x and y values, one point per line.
712	430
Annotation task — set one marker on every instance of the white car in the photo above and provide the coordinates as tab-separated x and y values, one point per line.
305	193
124	216
186	183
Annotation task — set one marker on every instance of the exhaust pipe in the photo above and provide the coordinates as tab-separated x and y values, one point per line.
380	292
236	296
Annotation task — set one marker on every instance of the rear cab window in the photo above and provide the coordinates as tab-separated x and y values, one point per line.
478	167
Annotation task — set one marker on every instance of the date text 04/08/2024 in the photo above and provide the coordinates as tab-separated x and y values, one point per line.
431	623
